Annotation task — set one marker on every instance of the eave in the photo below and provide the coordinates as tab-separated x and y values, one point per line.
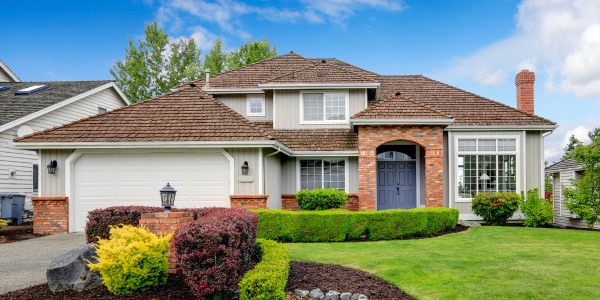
444	122
313	86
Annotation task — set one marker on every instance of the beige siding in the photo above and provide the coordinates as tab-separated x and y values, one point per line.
273	180
249	184
4	77
287	109
534	145
53	185
288	175
353	174
563	217
238	102
463	207
20	161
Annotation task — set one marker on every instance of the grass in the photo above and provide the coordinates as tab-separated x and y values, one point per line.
481	263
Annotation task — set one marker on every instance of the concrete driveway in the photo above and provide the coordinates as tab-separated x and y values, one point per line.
24	263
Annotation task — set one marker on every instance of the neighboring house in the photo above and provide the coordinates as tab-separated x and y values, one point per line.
563	174
299	123
29	107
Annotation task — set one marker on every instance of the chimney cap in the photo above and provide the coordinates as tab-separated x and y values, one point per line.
525	77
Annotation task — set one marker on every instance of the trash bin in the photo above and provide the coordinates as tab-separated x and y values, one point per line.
12	206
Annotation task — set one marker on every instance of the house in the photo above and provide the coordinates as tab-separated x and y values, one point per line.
252	137
29	107
563	174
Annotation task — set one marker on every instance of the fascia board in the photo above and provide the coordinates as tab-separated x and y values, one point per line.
401	121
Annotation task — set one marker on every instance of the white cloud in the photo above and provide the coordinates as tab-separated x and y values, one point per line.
556	142
560	38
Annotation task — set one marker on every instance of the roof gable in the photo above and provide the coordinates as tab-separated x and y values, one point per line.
399	107
324	72
8	73
564	165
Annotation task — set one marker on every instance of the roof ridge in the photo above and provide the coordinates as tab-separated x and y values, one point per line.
318	65
347	63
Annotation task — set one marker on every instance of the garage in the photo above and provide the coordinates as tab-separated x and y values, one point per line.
99	180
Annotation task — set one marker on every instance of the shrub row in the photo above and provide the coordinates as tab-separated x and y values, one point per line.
321	199
496	208
99	220
342	225
215	250
268	278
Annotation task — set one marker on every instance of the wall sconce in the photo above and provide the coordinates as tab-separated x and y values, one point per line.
167	197
52	167
245	168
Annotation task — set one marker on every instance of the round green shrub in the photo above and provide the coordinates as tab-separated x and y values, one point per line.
321	199
538	211
495	208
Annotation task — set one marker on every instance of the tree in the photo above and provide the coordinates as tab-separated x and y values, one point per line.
594	134
573	143
155	65
216	59
251	52
584	198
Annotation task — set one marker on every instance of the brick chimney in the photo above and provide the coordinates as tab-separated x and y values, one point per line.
524	82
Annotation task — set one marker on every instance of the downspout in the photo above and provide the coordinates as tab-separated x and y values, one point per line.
265	169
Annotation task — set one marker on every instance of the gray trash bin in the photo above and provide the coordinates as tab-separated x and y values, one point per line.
12	209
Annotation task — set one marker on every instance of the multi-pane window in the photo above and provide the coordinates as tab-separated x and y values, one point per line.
324	106
256	106
486	165
322	173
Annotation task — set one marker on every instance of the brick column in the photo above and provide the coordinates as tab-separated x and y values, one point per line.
249	202
434	177
353	203
50	215
289	202
166	223
367	177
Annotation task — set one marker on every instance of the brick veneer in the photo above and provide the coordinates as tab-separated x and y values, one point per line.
50	215
289	202
525	96
248	202
431	138
166	223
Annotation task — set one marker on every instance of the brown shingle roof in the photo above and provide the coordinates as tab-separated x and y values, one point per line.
466	108
314	139
399	107
185	115
324	72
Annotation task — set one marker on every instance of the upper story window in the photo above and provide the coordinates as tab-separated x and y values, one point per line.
324	107
256	105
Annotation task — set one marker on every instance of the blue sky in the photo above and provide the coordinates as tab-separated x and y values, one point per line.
475	45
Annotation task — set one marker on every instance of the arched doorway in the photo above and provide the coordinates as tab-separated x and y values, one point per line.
397	175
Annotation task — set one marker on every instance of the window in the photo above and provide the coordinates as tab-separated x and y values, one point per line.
486	165
328	107
35	178
30	90
322	173
256	106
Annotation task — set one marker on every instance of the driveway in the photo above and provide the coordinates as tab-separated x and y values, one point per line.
24	263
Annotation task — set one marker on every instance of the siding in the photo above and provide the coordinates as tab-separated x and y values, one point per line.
4	77
563	217
22	160
288	175
238	102
241	184
53	185
287	109
273	180
353	174
534	145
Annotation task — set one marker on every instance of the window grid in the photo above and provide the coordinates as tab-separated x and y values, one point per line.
313	107
335	107
334	174
311	174
324	106
317	173
256	106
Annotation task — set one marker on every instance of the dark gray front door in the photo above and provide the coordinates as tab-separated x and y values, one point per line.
396	184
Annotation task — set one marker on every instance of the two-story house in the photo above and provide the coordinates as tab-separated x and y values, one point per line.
254	136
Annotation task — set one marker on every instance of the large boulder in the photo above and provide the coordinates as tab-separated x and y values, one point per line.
70	271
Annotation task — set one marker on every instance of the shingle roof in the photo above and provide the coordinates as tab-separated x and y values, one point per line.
14	107
567	164
324	72
399	107
313	139
185	115
466	108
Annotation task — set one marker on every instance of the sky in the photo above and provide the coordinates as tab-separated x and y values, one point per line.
478	46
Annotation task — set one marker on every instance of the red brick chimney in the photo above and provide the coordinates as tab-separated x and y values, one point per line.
524	82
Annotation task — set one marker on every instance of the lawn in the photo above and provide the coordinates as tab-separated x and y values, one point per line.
481	263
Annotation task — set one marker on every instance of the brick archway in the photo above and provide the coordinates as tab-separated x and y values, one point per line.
431	138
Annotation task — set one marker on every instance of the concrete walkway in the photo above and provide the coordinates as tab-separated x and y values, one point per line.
24	263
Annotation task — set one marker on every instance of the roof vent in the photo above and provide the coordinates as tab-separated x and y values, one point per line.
192	84
291	51
398	94
323	61
293	75
4	88
32	89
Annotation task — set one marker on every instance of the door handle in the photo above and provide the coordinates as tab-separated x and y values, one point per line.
397	189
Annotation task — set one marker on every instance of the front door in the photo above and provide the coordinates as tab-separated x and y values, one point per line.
396	184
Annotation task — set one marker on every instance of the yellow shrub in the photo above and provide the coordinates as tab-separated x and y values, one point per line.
132	259
3	223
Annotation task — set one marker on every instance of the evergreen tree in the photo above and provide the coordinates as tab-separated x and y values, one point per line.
573	143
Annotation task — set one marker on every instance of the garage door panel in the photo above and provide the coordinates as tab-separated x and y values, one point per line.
108	179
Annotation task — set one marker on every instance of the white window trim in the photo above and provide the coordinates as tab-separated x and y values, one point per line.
346	169
347	112
454	160
248	110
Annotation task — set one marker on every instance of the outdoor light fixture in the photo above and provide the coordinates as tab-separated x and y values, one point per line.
167	197
245	168
52	167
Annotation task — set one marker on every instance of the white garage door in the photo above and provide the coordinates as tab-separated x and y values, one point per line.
102	180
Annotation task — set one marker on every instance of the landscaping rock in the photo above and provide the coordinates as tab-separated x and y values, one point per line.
317	294
362	297
301	293
332	295
345	296
70	272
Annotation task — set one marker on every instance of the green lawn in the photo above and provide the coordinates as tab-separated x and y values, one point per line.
481	263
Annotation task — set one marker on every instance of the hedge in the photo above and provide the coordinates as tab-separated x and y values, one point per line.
342	225
268	278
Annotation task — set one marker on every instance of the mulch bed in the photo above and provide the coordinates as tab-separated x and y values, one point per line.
10	234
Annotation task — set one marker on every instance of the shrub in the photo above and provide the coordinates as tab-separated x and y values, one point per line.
268	278
340	225
495	208
3	223
215	250
133	259
99	220
321	199
538	211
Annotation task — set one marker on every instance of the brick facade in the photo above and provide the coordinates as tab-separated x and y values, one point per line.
289	202
248	202
430	138
50	215
525	97
166	223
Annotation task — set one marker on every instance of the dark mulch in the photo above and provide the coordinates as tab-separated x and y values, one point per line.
17	233
308	276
